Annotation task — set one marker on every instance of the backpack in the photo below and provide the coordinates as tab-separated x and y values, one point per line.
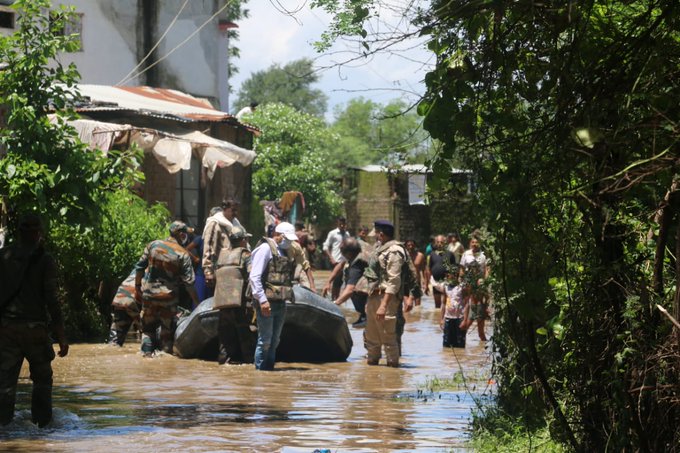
409	276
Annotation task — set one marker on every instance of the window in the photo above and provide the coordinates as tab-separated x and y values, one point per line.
72	26
188	195
7	18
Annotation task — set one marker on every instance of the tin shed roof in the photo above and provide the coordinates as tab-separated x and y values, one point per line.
154	102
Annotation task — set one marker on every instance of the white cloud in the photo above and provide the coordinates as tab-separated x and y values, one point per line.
269	36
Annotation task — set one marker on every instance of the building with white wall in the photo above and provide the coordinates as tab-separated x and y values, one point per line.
174	44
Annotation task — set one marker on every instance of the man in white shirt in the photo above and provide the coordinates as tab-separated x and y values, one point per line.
271	282
216	237
331	248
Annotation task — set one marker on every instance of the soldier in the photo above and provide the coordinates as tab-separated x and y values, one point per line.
236	341
125	310
167	265
385	296
28	304
271	280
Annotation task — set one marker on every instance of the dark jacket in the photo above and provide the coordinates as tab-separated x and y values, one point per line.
28	278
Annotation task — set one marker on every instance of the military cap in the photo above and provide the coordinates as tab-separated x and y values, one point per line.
237	233
385	226
383	223
178	226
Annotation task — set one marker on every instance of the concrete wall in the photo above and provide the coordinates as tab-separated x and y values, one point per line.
377	195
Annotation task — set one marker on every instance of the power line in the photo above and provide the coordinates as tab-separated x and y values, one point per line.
180	44
174	19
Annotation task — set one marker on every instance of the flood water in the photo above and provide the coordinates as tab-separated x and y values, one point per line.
111	399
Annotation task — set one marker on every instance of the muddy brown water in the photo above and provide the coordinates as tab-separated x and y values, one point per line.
111	399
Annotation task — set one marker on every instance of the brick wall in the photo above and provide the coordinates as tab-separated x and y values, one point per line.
159	185
375	195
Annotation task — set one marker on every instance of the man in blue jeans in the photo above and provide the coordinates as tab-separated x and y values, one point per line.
271	282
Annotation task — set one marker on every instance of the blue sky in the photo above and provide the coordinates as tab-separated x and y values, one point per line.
270	36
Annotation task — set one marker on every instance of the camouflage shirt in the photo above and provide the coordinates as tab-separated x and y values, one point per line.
125	296
167	265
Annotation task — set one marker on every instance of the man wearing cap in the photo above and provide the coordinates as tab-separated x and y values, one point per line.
29	310
271	281
385	296
216	237
163	267
236	341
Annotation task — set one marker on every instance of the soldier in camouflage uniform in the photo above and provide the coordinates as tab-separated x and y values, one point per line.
167	265
125	310
236	340
384	274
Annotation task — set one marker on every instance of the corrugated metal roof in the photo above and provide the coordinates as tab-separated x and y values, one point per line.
153	102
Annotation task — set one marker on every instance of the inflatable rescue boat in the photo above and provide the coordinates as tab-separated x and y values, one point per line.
315	330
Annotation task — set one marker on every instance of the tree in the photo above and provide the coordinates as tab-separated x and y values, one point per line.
45	168
292	155
290	85
371	133
564	112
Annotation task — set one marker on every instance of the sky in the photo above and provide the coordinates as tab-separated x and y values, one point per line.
270	35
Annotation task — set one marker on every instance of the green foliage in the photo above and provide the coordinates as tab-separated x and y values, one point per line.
96	259
348	19
504	435
290	85
371	133
45	167
558	111
292	154
565	113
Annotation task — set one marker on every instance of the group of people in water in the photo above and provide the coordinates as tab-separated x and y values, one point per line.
382	277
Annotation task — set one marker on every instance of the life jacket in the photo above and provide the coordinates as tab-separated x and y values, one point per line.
278	276
230	278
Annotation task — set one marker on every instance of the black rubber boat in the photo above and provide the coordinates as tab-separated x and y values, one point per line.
315	330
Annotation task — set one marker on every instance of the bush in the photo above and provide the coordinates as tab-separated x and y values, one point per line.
93	261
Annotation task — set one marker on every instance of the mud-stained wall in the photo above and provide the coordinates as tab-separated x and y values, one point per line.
117	35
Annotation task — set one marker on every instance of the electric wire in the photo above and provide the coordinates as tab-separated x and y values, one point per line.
167	30
180	44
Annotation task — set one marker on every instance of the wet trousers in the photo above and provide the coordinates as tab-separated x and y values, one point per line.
236	341
123	318
268	334
454	336
19	341
155	315
379	334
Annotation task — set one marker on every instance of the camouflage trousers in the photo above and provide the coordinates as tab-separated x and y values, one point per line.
123	319
155	315
379	334
19	341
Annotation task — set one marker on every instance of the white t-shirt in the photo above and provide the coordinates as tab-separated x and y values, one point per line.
455	303
470	258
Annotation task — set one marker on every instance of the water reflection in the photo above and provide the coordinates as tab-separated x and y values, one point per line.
108	399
